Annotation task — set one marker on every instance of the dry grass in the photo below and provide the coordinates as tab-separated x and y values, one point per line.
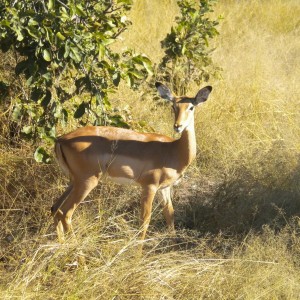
236	211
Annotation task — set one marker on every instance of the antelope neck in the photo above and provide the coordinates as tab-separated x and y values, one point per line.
186	146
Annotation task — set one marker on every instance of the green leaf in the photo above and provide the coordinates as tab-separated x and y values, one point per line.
41	155
116	79
75	54
47	76
46	100
136	74
107	42
34	32
147	65
21	67
183	50
118	121
123	19
52	133
206	41
17	112
128	2
20	36
67	50
27	129
49	34
29	81
5	23
46	55
79	10
60	36
50	4
80	110
64	119
129	79
32	22
101	52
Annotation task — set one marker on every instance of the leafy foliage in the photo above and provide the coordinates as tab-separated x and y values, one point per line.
187	55
64	60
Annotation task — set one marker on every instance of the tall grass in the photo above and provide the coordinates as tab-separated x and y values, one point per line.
237	210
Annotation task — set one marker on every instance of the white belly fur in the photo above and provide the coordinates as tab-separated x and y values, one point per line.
121	180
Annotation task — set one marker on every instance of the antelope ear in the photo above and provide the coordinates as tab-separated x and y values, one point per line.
164	91
202	95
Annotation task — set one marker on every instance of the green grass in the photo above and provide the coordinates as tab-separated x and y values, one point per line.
237	209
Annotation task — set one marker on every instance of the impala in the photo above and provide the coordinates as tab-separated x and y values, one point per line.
153	161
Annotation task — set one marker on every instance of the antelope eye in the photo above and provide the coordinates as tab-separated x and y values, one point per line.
192	108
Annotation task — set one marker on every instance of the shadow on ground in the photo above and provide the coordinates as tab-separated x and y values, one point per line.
238	203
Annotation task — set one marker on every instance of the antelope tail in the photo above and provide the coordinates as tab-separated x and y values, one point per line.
61	158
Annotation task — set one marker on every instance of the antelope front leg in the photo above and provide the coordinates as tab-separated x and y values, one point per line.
146	208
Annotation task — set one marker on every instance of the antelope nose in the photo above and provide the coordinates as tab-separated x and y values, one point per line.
177	127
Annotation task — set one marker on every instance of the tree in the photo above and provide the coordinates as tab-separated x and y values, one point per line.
187	55
66	65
